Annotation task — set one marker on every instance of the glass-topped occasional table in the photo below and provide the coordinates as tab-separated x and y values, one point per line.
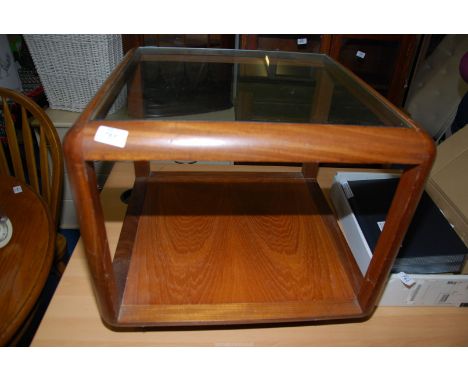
237	247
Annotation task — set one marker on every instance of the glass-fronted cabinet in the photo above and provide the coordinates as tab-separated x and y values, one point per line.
383	61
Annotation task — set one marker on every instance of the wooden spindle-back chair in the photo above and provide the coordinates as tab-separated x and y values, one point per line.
33	153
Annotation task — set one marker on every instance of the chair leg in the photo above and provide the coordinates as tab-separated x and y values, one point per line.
60	251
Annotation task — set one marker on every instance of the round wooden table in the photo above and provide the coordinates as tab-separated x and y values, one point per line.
26	260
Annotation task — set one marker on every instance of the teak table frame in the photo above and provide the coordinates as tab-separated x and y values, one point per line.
229	248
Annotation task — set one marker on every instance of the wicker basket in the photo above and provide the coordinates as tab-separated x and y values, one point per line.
73	67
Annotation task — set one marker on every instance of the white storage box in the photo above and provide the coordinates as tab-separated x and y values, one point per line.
73	67
417	289
426	290
348	223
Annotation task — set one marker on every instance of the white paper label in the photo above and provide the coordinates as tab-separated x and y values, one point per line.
301	41
111	136
406	279
381	225
347	190
360	54
17	189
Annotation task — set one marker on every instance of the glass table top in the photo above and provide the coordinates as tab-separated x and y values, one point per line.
240	85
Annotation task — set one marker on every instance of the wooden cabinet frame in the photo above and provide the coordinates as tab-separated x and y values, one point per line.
403	61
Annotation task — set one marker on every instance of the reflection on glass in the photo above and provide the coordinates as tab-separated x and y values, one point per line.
231	85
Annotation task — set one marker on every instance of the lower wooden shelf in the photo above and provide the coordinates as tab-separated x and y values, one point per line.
220	248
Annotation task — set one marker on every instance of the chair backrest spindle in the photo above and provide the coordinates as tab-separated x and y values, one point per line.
3	162
12	142
29	151
44	164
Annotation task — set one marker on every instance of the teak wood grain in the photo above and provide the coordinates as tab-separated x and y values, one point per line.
26	260
225	238
168	269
